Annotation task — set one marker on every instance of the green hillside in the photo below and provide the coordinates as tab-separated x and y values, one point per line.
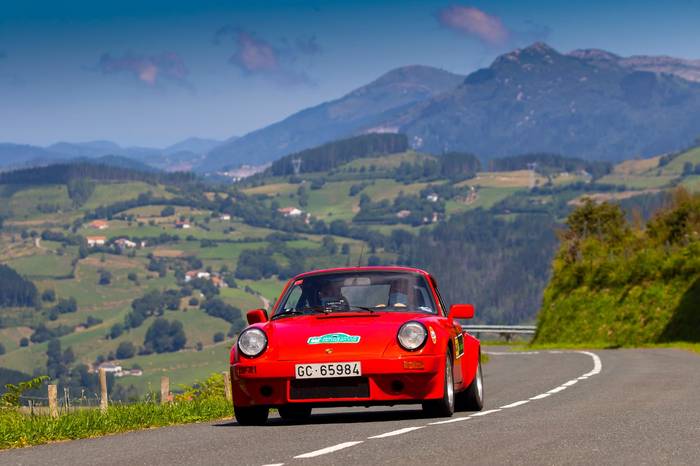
486	236
616	283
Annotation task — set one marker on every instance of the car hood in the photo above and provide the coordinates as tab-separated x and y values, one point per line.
318	337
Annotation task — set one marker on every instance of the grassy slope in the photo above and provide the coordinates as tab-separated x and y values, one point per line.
640	290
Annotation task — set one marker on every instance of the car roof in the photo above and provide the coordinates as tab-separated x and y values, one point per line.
378	268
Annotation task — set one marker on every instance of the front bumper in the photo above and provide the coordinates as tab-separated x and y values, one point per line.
390	381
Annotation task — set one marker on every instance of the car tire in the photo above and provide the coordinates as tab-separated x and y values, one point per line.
472	399
251	415
294	413
445	406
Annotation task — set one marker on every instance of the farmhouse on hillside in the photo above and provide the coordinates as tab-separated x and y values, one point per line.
99	224
290	211
93	241
123	243
192	274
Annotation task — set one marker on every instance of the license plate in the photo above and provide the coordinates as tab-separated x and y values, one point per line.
328	370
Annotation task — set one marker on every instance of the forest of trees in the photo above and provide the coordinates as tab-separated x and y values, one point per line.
15	290
332	154
501	266
551	163
65	173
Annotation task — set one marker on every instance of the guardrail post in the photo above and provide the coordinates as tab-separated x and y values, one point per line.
227	385
104	404
164	390
53	401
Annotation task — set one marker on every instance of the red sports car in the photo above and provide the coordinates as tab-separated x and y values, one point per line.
356	336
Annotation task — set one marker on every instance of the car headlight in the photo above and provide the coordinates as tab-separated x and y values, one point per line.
252	342
412	335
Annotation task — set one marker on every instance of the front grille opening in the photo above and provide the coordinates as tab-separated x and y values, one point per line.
346	387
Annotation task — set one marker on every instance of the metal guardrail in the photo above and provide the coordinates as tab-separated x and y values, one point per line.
507	331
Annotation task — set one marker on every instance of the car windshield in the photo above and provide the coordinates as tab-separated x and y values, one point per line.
358	291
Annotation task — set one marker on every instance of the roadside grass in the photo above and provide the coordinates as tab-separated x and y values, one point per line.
20	430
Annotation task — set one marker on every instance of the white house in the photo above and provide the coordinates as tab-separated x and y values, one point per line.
192	274
111	368
290	211
125	243
93	241
432	197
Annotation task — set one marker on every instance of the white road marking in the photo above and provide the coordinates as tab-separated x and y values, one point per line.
484	413
597	367
597	364
324	451
449	421
397	432
513	405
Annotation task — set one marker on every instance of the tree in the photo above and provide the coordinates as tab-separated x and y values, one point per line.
167	211
116	331
48	296
24	342
328	243
15	290
55	366
164	336
687	168
218	337
105	277
125	350
2	348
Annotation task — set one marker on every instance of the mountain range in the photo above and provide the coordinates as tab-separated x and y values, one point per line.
588	103
180	156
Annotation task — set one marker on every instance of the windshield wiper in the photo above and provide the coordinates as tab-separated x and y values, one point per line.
363	308
299	312
289	313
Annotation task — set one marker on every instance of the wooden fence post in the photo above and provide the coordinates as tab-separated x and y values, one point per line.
53	401
164	389
103	390
227	385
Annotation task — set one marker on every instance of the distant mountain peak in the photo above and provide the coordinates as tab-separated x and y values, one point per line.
536	53
594	54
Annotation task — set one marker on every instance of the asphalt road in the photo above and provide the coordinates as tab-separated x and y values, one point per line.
547	407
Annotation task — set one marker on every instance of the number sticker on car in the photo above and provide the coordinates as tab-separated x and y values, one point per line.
328	370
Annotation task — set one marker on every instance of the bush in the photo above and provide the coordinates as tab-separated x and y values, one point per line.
105	277
193	301
116	331
2	347
48	296
218	337
125	350
24	342
167	211
164	336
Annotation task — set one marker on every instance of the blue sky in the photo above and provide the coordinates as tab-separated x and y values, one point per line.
151	73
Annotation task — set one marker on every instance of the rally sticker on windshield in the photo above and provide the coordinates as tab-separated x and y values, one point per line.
333	338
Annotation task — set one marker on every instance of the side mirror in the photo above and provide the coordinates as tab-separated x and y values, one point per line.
256	315
462	311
